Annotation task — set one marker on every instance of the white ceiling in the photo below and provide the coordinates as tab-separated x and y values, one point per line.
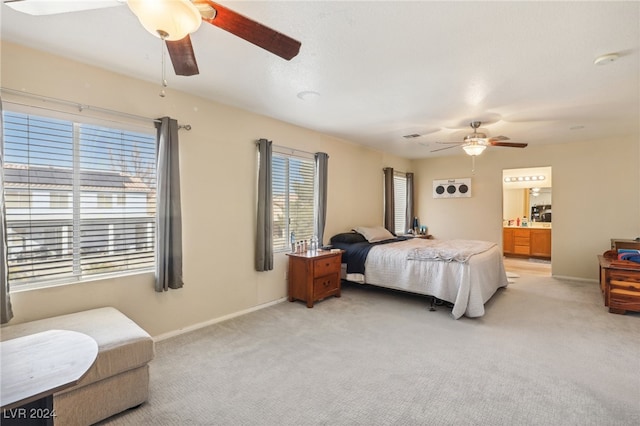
379	70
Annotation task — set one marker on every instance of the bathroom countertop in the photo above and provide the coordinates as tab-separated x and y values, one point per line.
532	225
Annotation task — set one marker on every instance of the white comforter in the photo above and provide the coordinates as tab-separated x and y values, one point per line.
467	284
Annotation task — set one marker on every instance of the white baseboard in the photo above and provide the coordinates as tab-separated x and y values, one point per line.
569	278
215	321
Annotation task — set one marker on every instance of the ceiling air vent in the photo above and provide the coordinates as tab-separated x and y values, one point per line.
452	188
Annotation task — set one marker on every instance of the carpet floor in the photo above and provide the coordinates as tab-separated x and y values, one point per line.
546	352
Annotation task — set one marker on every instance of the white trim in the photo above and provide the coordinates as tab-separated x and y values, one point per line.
283	150
213	321
80	116
55	105
569	278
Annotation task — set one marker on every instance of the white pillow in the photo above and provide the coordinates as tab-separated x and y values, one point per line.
374	234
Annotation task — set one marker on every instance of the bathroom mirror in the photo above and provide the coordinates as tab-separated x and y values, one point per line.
527	194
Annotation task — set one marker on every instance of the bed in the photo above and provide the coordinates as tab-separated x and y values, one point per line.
465	273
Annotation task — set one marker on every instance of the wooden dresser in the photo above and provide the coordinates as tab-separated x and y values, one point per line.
314	276
620	285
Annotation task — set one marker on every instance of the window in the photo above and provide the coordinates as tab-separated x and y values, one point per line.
17	199
293	198
104	200
78	199
58	200
400	203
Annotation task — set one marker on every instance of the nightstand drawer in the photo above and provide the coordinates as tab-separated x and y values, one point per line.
326	265
325	286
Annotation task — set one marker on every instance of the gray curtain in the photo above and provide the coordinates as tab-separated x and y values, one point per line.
322	163
408	222
389	200
264	234
168	206
5	298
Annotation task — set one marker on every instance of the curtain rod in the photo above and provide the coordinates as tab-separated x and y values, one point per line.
82	107
292	150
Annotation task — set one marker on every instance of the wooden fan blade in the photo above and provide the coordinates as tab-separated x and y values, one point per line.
498	139
253	32
509	144
182	56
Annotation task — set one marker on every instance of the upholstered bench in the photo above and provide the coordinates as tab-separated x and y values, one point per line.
119	378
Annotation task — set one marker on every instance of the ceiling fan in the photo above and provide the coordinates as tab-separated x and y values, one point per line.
476	142
173	21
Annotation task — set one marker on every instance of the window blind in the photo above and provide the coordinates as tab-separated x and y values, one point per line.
400	203
293	199
80	199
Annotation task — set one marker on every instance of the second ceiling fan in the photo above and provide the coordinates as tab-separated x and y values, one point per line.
475	143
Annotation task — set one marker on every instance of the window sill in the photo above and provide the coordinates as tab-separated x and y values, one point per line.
67	282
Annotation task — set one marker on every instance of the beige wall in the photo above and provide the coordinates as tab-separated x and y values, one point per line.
595	197
219	217
218	161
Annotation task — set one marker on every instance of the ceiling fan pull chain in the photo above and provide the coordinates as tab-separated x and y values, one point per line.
163	35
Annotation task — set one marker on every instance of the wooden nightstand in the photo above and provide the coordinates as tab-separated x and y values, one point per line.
314	276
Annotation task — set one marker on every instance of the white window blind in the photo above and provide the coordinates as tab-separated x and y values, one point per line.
293	198
80	199
400	203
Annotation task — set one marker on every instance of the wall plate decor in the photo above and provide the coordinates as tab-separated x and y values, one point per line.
452	188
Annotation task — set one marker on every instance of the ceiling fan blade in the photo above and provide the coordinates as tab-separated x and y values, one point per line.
182	56
39	7
509	144
498	139
446	147
252	31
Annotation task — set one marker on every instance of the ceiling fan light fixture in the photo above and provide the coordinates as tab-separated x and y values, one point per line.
473	149
175	18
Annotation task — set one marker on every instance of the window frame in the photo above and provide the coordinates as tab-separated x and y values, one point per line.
305	158
400	176
73	203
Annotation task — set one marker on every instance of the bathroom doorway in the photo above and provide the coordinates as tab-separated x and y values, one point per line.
527	219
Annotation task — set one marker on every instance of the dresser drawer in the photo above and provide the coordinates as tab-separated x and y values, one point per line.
325	286
624	278
624	298
326	265
521	249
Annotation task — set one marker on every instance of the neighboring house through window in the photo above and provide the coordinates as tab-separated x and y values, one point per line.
59	200
78	199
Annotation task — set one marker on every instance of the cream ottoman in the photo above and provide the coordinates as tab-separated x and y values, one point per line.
119	378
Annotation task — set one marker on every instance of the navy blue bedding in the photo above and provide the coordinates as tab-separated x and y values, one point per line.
355	254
